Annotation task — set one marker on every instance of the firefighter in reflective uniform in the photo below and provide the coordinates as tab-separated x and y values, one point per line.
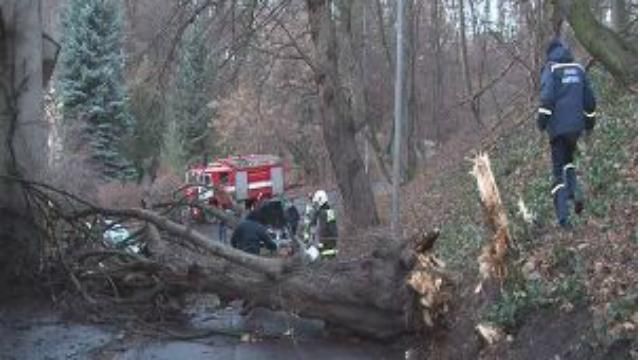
324	219
567	110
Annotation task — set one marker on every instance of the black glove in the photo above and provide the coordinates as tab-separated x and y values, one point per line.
589	122
543	120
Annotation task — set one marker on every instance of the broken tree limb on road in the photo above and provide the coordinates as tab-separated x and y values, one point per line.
372	296
272	267
492	260
367	296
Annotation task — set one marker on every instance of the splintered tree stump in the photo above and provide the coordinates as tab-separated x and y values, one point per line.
493	258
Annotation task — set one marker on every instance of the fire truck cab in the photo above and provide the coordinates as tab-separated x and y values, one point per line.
242	180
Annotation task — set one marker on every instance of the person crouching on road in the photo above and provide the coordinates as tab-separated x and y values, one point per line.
567	109
250	236
324	219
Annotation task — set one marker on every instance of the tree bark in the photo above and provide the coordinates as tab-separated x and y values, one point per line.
620	58
366	297
465	62
383	34
436	48
619	15
483	45
415	9
337	121
23	131
352	20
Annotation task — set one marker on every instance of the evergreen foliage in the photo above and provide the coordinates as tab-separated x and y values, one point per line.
91	82
144	146
173	153
190	108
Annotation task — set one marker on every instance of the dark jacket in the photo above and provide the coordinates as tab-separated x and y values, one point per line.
293	217
269	213
567	104
249	236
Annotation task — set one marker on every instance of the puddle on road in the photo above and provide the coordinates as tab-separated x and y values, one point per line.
268	350
48	337
43	334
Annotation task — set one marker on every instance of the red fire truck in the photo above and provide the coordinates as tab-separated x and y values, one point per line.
244	180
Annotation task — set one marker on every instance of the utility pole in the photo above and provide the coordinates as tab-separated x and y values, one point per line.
398	112
363	71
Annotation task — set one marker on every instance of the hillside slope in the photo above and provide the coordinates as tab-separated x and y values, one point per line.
568	294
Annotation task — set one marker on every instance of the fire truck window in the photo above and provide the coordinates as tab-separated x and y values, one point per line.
224	178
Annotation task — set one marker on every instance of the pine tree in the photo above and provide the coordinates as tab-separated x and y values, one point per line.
91	82
191	98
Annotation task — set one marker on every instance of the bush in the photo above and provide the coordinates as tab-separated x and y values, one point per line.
120	195
127	195
514	304
73	174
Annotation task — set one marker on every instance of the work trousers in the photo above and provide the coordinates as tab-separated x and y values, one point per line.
565	182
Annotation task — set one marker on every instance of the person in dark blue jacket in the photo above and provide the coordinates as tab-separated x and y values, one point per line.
567	110
250	236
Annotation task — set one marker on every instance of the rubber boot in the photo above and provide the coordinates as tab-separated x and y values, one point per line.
561	203
573	187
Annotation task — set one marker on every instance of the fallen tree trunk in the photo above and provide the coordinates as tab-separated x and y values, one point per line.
382	295
399	288
369	296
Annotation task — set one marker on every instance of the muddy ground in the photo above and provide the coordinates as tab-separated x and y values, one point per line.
34	329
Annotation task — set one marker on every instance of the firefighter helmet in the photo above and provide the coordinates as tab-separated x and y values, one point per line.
320	198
